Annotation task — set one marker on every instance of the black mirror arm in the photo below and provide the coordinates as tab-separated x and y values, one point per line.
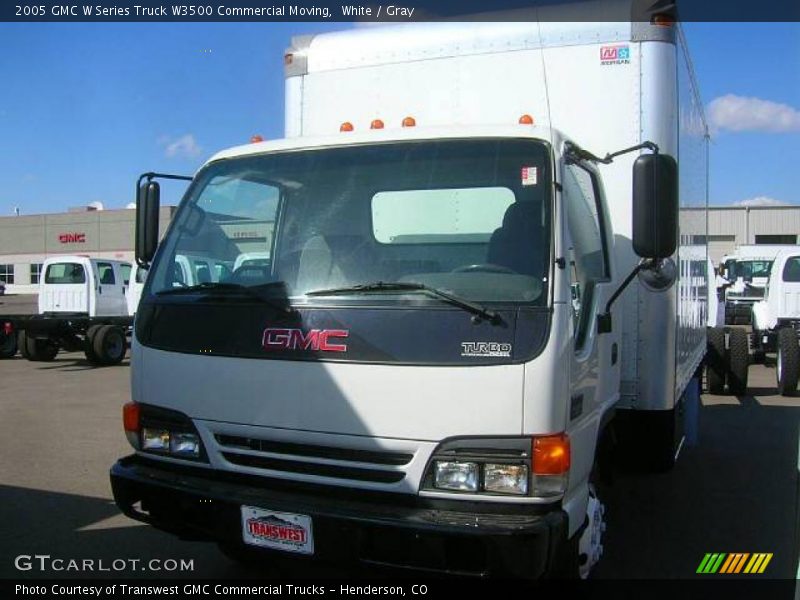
575	152
151	175
604	323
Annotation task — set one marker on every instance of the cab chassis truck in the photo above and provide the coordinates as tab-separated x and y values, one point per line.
83	311
473	301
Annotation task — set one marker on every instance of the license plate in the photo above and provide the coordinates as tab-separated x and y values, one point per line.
277	530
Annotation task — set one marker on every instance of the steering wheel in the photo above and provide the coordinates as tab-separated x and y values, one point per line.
483	267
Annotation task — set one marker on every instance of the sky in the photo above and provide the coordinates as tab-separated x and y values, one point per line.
85	108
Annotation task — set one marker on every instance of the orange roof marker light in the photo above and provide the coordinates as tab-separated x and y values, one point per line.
346	126
376	124
256	139
409	122
526	120
663	19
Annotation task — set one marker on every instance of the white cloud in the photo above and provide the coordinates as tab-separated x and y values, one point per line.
183	147
740	113
760	201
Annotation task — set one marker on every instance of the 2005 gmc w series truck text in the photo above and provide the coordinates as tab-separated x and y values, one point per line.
471	274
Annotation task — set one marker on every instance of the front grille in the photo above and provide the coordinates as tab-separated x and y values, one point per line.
314	451
376	466
321	470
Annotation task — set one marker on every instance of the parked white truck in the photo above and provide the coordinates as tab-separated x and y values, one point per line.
746	273
776	319
82	305
461	302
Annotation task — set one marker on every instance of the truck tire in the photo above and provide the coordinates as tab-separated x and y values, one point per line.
787	363
88	345
38	350
715	361
738	361
23	346
8	345
109	345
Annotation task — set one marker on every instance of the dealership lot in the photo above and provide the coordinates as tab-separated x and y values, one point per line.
60	430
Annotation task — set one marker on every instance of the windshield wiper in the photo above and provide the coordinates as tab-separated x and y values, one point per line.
225	288
402	286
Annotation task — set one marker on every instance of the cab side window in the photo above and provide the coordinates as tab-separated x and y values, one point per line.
588	256
106	273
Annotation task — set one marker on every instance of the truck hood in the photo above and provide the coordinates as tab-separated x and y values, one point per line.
388	401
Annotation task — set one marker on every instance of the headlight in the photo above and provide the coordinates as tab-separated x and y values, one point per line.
457	476
505	479
162	431
536	467
155	439
185	444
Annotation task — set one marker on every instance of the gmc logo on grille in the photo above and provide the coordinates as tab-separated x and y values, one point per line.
295	339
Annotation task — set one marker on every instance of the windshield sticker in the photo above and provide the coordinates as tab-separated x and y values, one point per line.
314	340
530	175
482	349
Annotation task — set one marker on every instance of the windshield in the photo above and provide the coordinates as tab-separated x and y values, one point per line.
747	269
468	217
61	273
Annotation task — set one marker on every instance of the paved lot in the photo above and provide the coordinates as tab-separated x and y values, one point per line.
60	430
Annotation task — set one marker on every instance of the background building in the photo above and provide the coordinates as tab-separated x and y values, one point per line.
26	241
732	226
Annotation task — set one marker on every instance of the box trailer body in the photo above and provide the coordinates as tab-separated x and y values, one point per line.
606	85
349	405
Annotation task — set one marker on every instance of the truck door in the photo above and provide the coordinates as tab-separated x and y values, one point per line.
109	292
594	367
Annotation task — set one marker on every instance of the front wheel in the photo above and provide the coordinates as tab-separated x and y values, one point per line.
109	345
738	362
787	363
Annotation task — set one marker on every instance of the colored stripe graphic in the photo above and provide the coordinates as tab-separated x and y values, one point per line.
711	562
727	564
735	562
767	558
703	563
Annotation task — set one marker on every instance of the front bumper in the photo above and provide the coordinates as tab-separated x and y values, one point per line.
395	531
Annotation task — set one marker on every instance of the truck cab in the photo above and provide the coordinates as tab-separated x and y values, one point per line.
79	285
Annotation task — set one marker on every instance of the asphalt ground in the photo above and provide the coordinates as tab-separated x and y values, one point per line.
60	431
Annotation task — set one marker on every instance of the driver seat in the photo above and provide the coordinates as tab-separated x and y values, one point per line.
517	244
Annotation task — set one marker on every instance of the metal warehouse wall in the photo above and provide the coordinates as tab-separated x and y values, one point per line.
732	226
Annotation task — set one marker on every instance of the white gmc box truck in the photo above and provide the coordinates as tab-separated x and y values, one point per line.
473	296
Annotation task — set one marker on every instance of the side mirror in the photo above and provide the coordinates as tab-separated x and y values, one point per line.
148	204
655	206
